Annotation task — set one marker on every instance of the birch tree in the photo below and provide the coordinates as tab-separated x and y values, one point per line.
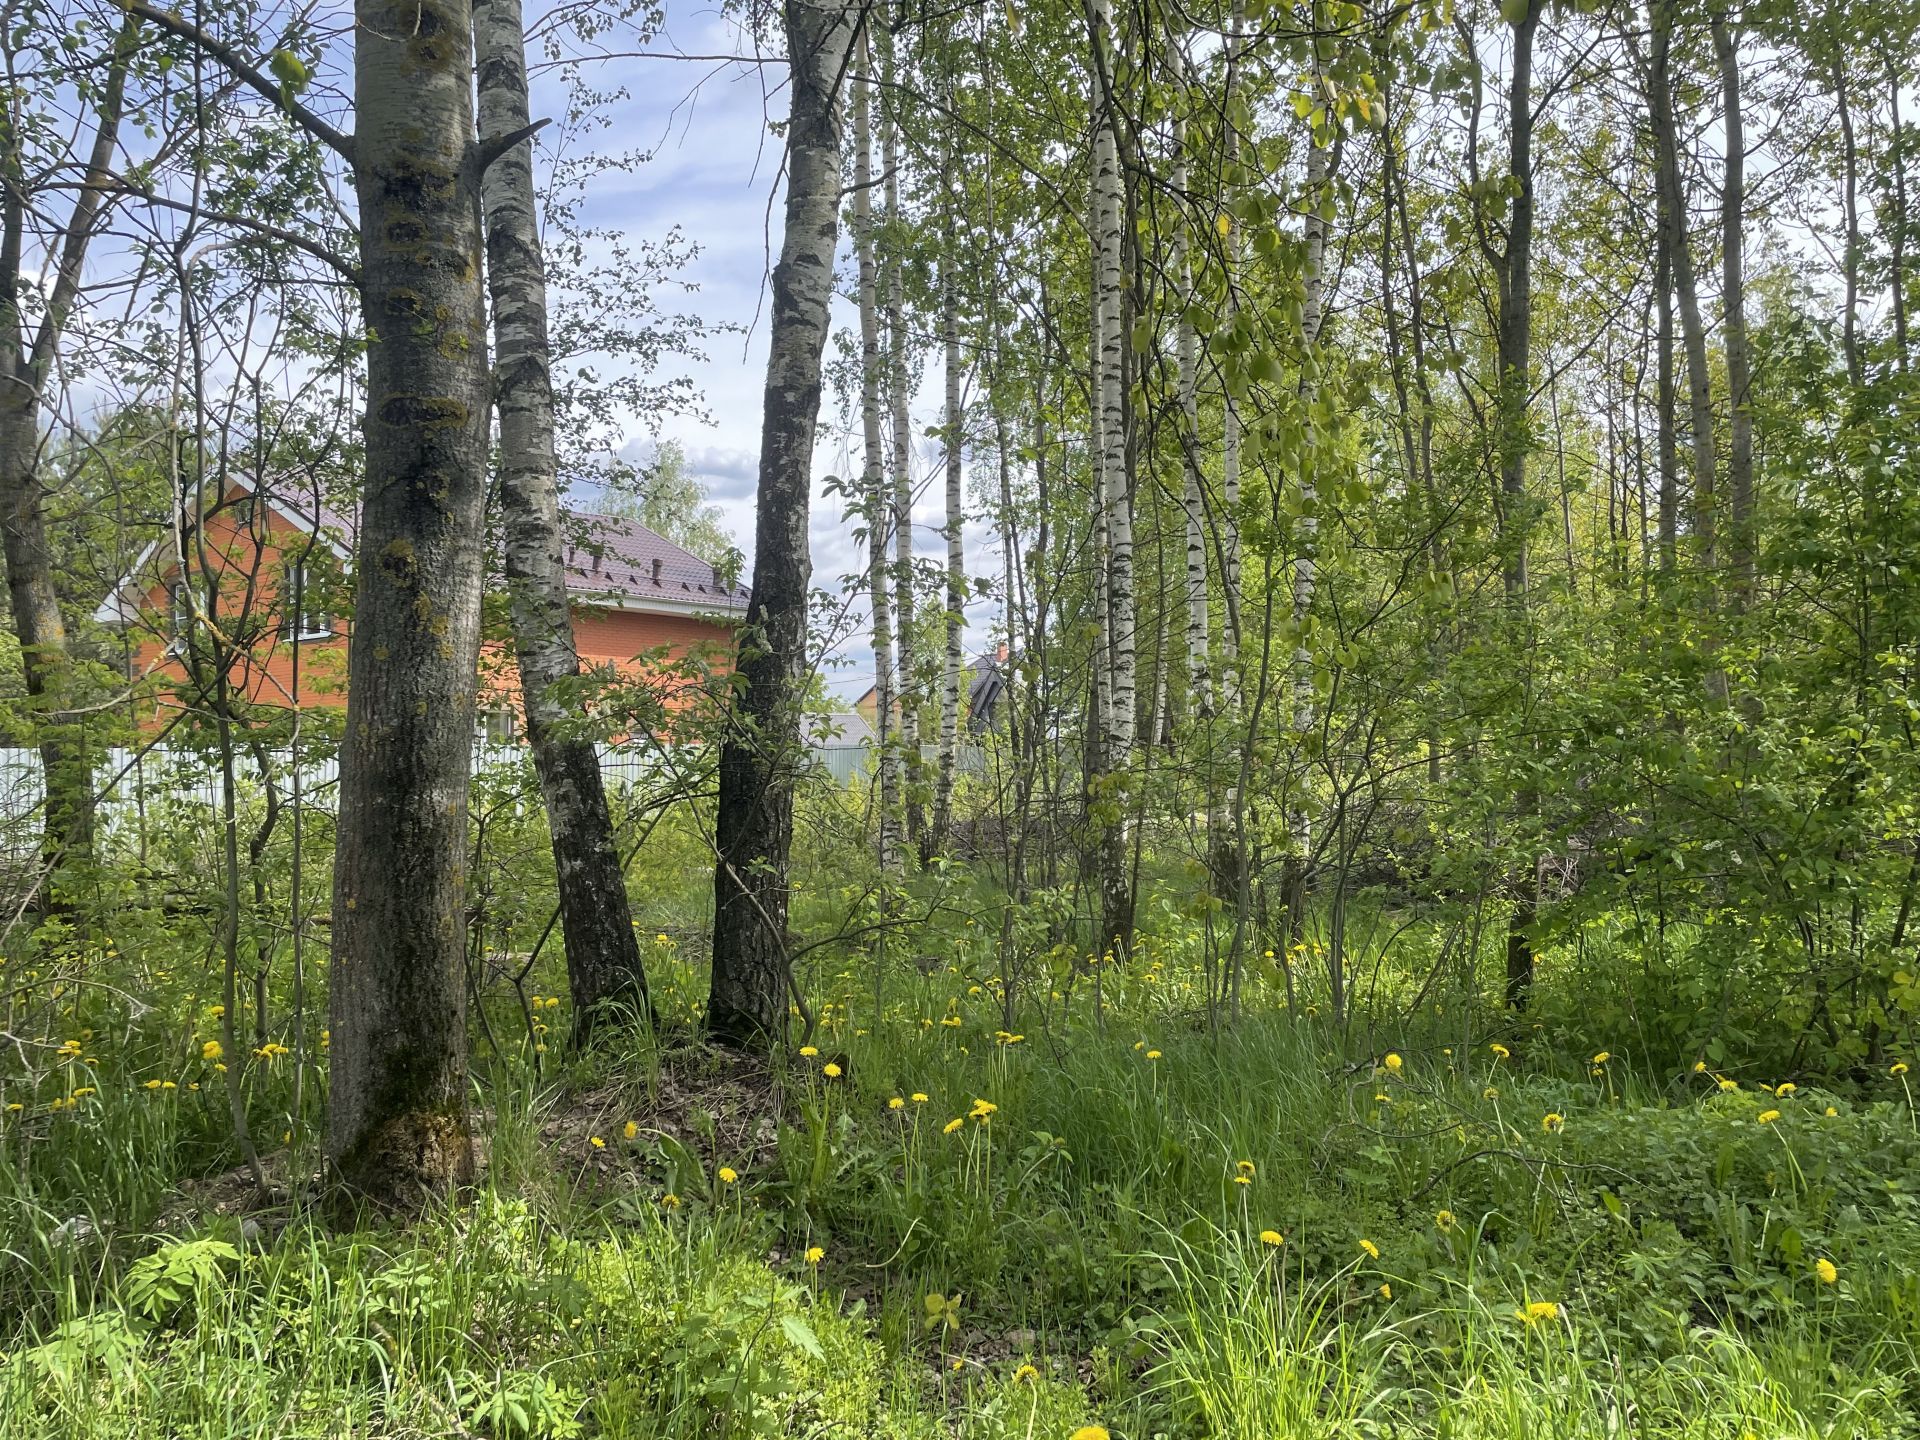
747	1002
604	968
873	474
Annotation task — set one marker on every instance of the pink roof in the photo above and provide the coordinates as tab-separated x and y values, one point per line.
622	559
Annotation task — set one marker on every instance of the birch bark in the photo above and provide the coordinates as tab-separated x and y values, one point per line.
604	968
873	475
751	976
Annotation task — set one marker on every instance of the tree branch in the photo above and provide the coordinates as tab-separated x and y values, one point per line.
492	150
278	94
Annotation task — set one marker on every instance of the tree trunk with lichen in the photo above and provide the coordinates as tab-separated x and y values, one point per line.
604	971
398	1123
747	1003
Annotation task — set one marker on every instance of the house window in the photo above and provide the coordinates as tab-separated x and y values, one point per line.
180	615
496	726
305	618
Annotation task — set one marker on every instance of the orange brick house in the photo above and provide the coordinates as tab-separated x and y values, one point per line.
268	569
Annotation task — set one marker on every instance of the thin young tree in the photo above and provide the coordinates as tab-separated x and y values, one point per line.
873	473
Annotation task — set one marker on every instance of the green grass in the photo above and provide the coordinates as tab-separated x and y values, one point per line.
1081	1252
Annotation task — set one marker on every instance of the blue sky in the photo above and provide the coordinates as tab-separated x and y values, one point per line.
715	173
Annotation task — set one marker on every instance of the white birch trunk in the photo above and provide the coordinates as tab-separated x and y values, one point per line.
873	478
1109	397
603	958
902	455
956	562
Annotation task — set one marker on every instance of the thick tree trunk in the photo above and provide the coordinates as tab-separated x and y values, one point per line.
873	474
1733	300
26	366
397	994
1666	403
604	970
748	1000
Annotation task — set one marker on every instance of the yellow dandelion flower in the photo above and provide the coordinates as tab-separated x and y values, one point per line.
1699	1067
630	1129
728	1175
1272	1238
1373	1250
815	1254
1603	1057
1828	1272
1492	1092
670	1201
596	1142
981	1109
1395	1063
830	1070
952	1125
1090	1432
1245	1168
1767	1117
896	1103
1025	1375
1500	1052
1553	1123
1444	1219
1153	1054
1726	1084
1539	1310
1899	1067
1831	1112
1386	1291
807	1052
153	1084
919	1097
1784	1089
211	1050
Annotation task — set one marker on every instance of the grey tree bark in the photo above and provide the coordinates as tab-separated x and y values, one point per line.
747	1002
1673	205
398	1122
604	970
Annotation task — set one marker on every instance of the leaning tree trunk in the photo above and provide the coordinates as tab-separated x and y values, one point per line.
26	366
604	970
873	475
748	1000
397	995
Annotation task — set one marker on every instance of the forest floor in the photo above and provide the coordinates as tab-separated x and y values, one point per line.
1124	1218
